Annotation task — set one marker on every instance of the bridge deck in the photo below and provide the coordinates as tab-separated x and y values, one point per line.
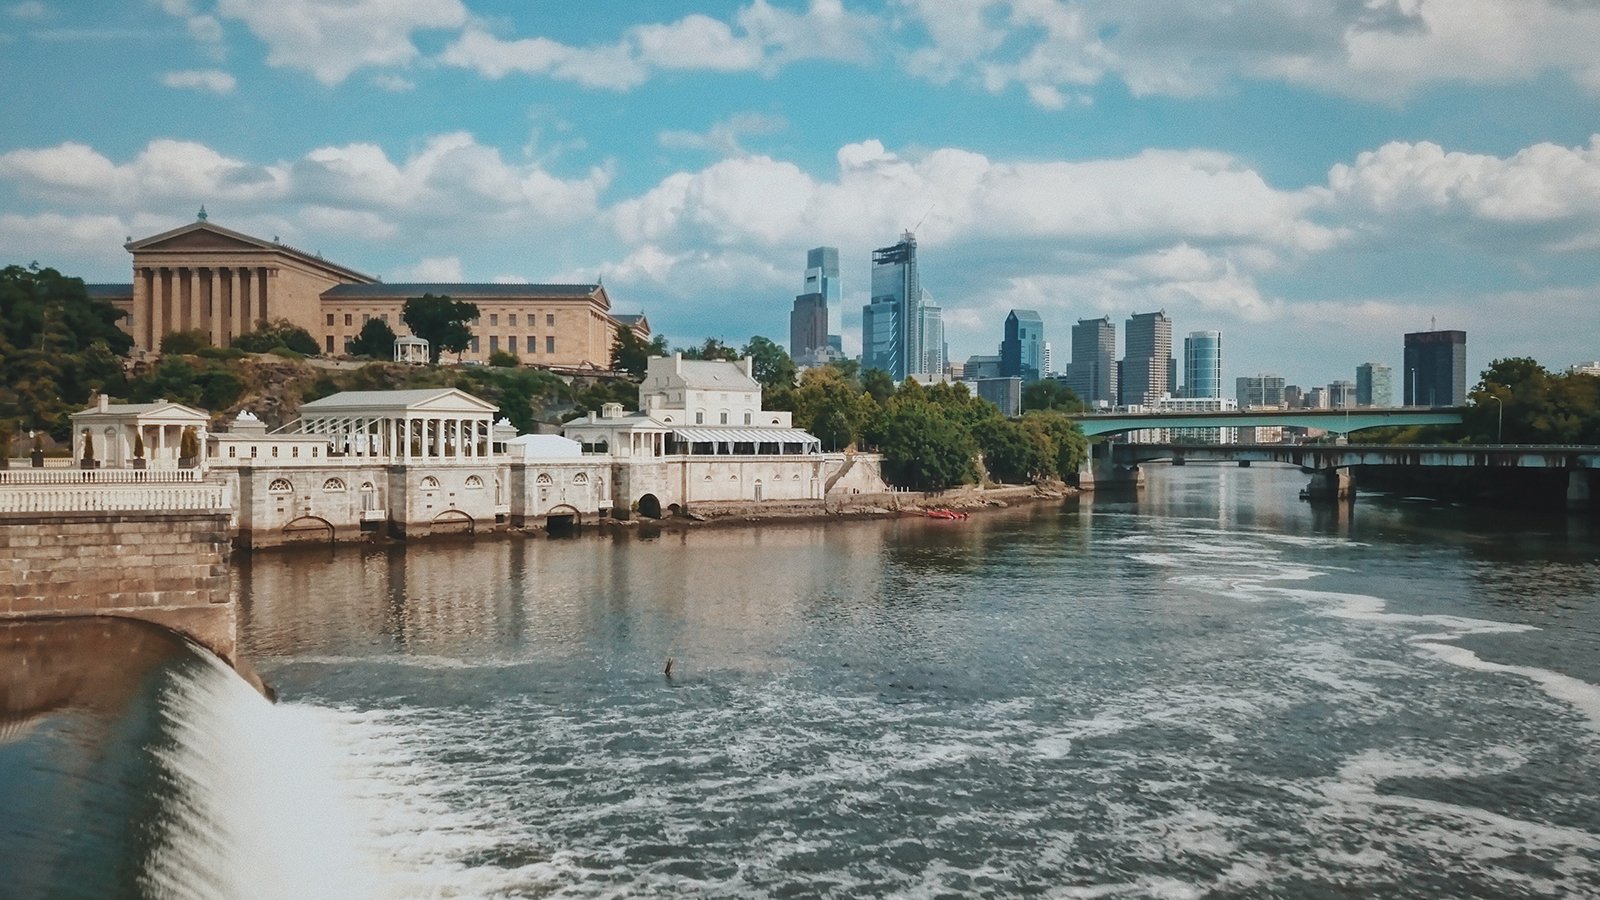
1339	421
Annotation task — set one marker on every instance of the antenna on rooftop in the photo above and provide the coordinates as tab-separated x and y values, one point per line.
1433	323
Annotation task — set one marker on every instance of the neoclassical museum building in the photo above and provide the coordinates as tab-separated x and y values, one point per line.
223	283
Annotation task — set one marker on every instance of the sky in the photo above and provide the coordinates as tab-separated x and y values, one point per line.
1313	178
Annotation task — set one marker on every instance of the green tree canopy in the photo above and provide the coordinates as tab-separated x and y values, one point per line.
279	333
770	363
191	341
57	347
832	407
376	341
440	321
1520	402
923	448
631	353
711	349
1050	394
879	384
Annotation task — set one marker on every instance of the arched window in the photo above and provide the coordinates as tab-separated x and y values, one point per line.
280	486
430	483
580	478
474	483
333	486
544	478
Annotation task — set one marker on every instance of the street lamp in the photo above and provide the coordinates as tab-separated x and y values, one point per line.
1499	419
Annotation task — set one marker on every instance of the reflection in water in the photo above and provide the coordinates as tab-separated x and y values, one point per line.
1210	689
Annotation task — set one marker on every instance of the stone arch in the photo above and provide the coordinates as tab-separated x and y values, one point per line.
430	483
474	483
650	506
562	519
280	486
453	521
544	478
581	478
308	529
333	486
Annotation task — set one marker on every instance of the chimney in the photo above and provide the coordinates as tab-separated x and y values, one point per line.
749	370
103	404
677	363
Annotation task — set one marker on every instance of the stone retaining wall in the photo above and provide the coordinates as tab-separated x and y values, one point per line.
170	568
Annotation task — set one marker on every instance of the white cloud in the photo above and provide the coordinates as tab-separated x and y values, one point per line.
333	38
394	83
432	270
214	80
71	243
1382	50
724	137
28	11
762	38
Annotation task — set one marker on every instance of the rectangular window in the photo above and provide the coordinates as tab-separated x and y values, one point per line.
252	453
724	419
328	344
511	343
330	320
533	344
699	418
494	318
550	343
384	317
294	452
365	318
494	343
474	345
349	319
550	319
274	451
511	319
232	451
747	418
313	452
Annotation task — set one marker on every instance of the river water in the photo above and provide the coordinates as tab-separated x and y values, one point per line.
1215	690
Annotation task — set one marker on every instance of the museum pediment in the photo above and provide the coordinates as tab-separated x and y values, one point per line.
200	237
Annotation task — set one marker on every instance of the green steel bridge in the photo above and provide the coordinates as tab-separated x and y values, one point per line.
1337	421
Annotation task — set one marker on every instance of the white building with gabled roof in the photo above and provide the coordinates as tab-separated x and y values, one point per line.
114	427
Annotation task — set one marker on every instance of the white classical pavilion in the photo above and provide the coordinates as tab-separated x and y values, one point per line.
431	425
114	426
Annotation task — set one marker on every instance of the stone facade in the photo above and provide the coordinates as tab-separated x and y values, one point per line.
170	568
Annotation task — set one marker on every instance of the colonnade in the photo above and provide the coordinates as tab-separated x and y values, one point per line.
407	438
223	301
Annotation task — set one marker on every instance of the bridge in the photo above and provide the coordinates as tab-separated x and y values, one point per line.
1337	421
1330	464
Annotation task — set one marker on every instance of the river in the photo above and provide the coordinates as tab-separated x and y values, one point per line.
1215	690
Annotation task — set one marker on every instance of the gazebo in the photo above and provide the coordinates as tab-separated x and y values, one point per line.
113	428
412	350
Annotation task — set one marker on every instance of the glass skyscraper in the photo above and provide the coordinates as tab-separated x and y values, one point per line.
1436	368
1202	364
892	324
1092	371
1374	385
809	341
1022	350
822	277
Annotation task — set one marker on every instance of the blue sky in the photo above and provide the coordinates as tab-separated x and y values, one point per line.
1313	179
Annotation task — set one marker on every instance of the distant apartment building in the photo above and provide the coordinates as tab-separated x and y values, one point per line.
1317	398
1584	368
1294	397
1049	361
1092	371
978	367
1202	365
1435	368
1022	349
1146	371
1004	392
1374	385
1341	394
1258	391
933	348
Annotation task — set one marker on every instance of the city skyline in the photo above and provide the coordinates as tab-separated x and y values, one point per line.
1311	179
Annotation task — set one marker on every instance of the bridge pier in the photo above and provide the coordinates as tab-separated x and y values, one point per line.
1100	470
1580	493
1331	484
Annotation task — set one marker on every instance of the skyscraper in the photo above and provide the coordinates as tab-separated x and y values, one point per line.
1254	391
1341	394
1202	364
1022	350
1092	372
1374	385
1436	368
1049	361
822	277
808	321
1147	359
932	327
891	324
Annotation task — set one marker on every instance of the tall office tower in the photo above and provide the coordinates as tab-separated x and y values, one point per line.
1049	363
1294	397
1374	385
1436	368
1022	351
891	325
822	277
932	329
1341	394
808	329
1317	398
1202	365
1092	372
1147	359
1259	391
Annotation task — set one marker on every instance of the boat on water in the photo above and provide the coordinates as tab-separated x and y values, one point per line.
950	514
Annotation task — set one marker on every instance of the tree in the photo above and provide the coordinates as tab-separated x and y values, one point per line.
923	449
375	341
1067	445
879	384
711	349
185	341
503	360
1013	454
57	347
832	407
279	333
770	363
442	322
631	353
610	390
1050	394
